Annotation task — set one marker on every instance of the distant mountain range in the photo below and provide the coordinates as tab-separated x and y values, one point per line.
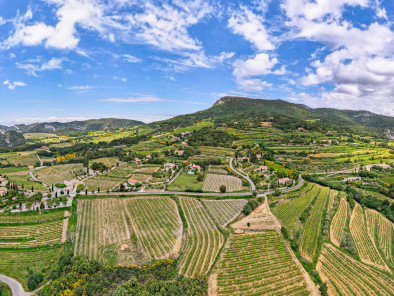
85	125
228	110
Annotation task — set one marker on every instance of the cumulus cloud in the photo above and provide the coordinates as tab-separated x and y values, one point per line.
261	64
131	59
79	87
251	27
13	85
36	65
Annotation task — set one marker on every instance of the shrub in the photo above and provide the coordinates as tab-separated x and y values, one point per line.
33	280
222	188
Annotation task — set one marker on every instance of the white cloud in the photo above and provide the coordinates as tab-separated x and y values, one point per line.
123	79
34	66
79	87
146	99
261	64
12	85
27	120
131	59
251	27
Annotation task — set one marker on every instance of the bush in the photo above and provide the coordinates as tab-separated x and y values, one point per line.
33	280
222	188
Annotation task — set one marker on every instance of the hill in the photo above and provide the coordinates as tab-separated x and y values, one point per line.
284	115
85	125
11	139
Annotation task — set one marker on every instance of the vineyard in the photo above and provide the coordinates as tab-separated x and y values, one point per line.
346	276
312	227
30	217
104	182
331	198
157	226
338	222
203	239
224	211
381	231
213	182
289	212
259	264
101	222
364	244
59	173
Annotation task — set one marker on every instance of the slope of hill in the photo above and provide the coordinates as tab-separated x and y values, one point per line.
11	139
284	115
85	125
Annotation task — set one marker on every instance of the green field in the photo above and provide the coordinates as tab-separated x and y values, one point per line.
185	182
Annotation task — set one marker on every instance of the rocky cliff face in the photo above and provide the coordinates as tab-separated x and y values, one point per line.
11	139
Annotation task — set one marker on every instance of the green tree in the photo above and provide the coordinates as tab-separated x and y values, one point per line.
222	188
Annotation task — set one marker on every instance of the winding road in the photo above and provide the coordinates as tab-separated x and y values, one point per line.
242	175
16	287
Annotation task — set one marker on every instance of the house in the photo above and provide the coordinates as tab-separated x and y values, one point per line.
169	166
132	181
194	167
262	168
184	143
179	152
300	129
285	181
259	156
242	158
353	144
382	165
3	181
137	160
266	123
352	179
3	191
185	133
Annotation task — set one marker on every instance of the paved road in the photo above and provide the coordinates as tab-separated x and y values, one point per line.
16	287
242	175
34	177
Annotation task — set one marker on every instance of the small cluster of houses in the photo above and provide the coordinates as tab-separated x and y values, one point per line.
3	184
382	165
352	179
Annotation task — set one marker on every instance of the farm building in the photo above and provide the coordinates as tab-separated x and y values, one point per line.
285	181
137	160
352	179
3	181
132	181
262	168
3	191
179	152
382	165
242	158
266	123
194	167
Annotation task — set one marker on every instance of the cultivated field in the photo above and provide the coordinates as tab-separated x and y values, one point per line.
346	276
203	239
338	222
31	217
213	182
23	179
224	211
157	225
331	198
311	232
381	231
101	223
259	264
27	158
104	182
289	212
365	246
59	173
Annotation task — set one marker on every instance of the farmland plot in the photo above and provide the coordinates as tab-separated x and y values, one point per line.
381	231
365	245
101	223
28	236
46	216
312	227
203	239
290	211
157	226
346	276
213	182
338	222
59	173
331	198
224	211
104	182
259	264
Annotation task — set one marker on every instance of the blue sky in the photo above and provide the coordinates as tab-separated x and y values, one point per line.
63	60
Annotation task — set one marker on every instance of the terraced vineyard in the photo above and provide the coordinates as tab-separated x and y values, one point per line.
16	263
338	222
381	231
157	226
224	211
104	182
213	182
59	173
312	227
203	239
364	244
331	198
346	276
259	264
28	236
289	212
101	222
31	218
